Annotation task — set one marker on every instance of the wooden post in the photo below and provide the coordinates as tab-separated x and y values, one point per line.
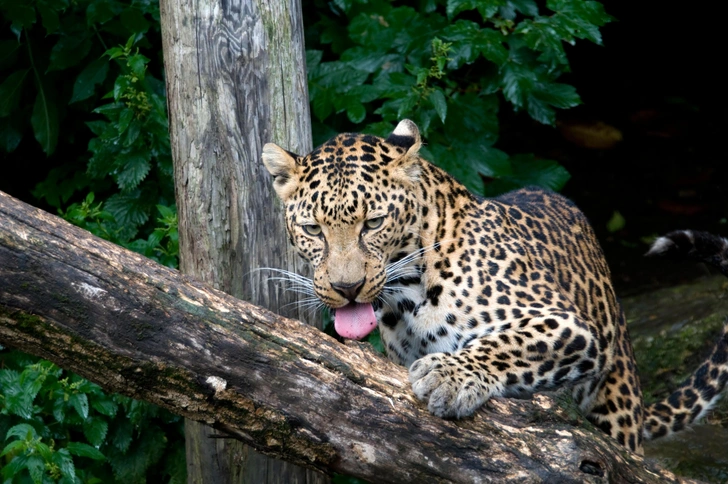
236	79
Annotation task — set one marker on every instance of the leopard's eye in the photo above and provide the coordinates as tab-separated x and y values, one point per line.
374	223
312	230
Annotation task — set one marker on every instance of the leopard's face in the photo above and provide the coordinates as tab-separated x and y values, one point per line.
351	210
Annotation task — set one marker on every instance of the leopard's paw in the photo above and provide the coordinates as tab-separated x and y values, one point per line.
450	389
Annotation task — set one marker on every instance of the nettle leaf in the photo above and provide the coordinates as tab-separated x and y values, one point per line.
95	430
518	82
339	76
356	112
13	447
540	110
541	35
36	468
437	98
62	458
15	466
45	120
138	65
103	404
22	431
562	96
579	18
486	8
84	450
134	168
526	7
59	409
125	117
79	401
94	73
127	208
69	50
369	60
10	91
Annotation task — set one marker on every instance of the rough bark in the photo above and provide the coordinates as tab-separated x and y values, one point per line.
149	332
236	79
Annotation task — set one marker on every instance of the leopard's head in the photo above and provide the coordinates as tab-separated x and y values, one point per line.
352	211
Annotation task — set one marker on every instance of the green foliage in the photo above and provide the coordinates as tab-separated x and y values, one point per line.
113	101
448	66
58	427
62	85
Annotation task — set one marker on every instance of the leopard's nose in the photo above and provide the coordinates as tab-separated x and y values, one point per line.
350	290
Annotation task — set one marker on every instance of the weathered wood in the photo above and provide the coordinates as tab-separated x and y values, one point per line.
236	79
149	332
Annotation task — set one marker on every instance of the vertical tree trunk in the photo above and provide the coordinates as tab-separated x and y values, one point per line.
236	79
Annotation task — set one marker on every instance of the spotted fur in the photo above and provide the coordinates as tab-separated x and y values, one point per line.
478	297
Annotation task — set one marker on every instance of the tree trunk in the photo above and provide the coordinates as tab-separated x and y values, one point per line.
236	79
144	330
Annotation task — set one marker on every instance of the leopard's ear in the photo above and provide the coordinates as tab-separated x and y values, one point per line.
407	136
283	166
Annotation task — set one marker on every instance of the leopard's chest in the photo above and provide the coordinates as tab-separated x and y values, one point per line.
413	325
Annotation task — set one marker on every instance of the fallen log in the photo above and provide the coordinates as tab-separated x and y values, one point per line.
147	331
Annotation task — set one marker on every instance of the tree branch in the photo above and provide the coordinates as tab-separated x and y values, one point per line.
146	331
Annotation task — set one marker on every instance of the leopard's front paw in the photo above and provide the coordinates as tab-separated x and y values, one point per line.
450	389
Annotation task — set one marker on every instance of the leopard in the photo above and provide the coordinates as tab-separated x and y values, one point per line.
478	297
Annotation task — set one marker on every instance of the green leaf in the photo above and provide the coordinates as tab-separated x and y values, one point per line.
166	212
15	466
105	405
84	450
49	16
540	111
127	208
22	431
138	65
127	114
63	460
36	468
356	112
135	166
12	447
616	222
122	436
94	73
134	21
437	98
100	11
45	121
95	430
79	401
562	96
69	50
10	91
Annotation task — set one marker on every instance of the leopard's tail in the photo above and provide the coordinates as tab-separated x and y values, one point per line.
702	390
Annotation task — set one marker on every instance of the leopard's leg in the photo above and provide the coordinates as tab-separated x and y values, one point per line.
615	403
537	353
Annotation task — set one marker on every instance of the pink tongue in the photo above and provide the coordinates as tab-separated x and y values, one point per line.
355	320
